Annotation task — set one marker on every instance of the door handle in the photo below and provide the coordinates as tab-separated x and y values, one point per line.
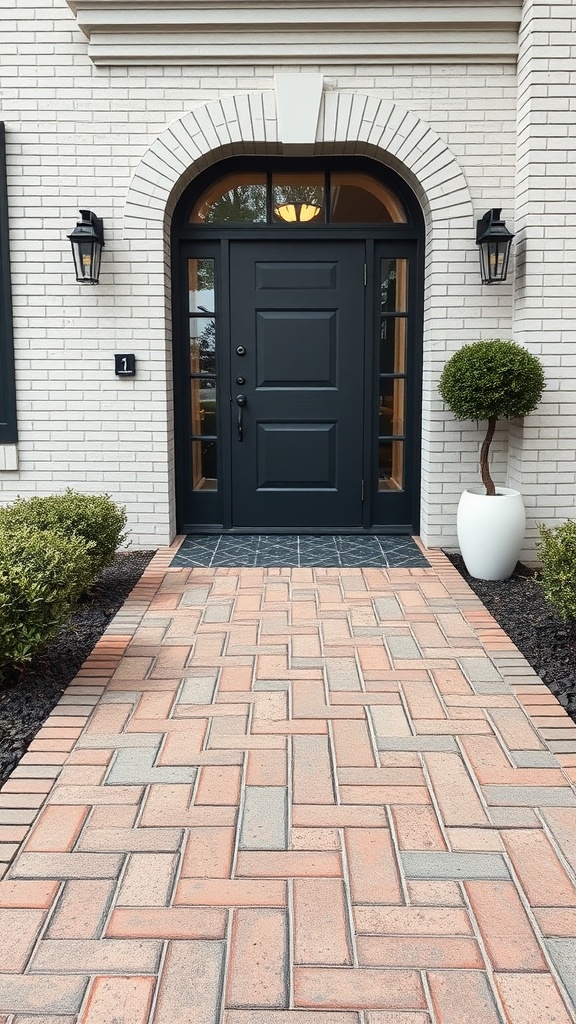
241	401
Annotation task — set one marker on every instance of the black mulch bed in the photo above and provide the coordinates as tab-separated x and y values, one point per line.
27	698
547	643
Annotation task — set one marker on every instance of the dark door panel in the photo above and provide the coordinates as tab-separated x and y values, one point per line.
297	339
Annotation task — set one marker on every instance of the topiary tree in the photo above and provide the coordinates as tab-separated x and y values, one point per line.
488	380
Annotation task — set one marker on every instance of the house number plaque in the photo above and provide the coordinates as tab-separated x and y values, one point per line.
125	365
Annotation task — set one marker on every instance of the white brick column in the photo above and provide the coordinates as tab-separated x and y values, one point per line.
542	448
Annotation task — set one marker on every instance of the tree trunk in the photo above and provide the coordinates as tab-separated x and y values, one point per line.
484	452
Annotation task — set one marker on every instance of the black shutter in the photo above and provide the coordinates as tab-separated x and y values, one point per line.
8	429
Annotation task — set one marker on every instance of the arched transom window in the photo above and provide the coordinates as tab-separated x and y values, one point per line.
311	197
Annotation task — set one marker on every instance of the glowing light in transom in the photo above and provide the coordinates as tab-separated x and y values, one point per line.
292	212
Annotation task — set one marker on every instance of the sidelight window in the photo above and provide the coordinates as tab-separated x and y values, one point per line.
392	377
202	335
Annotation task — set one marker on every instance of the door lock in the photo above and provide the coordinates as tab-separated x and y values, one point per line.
240	380
240	351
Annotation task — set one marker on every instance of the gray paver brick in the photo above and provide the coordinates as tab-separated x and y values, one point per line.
387	608
529	796
197	690
135	766
487	688
403	648
454	865
479	670
29	994
533	759
264	821
218	612
194	597
97	955
563	955
513	817
120	697
562	746
342	674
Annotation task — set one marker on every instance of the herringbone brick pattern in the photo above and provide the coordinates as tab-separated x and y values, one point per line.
306	796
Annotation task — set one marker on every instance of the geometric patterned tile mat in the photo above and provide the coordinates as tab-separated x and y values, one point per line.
269	551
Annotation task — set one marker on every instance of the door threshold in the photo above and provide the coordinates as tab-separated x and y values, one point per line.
317	531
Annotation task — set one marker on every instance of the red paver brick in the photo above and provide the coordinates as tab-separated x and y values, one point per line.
506	931
492	767
460	997
28	894
417	828
208	853
126	1000
168	923
184	740
316	815
258	959
320	922
57	829
30	993
463	839
531	999
294	1017
515	729
312	770
384	794
314	839
81	909
363	988
111	718
121	816
235	892
556	921
436	894
352	744
219	785
266	768
288	864
154	706
422	699
191	983
541	874
372	866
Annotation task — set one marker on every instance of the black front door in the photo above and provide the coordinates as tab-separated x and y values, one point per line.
297	340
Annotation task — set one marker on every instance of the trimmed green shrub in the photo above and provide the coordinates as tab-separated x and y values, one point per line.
491	380
557	552
42	574
94	517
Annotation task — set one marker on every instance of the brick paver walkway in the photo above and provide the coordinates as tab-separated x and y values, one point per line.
300	796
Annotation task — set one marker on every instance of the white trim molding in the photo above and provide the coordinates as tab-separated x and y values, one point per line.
264	32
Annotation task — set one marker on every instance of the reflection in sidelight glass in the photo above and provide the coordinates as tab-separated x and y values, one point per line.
393	345
394	281
391	406
360	199
201	286
298	198
202	345
203	395
235	199
391	466
204	466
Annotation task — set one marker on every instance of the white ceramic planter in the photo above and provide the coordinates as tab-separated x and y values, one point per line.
491	531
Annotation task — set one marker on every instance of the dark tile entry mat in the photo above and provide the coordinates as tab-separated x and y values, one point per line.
267	551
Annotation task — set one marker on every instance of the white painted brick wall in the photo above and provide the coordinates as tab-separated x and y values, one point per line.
76	135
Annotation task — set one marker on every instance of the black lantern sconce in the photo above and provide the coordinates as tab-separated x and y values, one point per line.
495	241
87	241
